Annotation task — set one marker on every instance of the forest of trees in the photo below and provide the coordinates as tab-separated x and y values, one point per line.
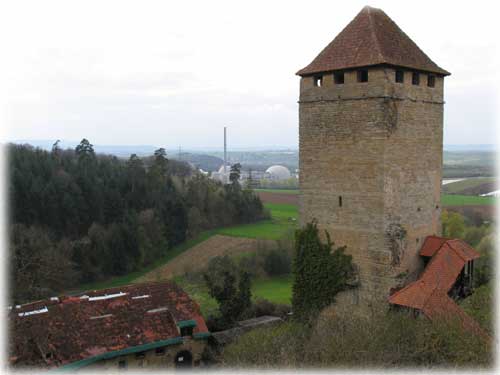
77	217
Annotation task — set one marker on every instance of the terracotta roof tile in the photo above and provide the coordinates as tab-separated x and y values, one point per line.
430	292
371	38
431	245
79	327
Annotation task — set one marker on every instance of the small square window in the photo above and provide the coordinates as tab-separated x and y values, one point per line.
400	76
338	78
140	355
431	80
363	75
415	79
160	351
186	331
318	81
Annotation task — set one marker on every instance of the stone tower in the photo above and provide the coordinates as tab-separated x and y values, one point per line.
371	141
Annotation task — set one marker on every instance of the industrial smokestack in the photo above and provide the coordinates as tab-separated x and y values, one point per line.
225	154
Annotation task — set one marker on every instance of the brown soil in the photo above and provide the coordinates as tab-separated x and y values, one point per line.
480	189
475	212
196	258
267	197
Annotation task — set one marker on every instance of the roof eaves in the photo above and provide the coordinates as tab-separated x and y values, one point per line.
133	349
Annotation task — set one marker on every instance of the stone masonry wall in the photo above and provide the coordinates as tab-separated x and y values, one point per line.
151	359
370	171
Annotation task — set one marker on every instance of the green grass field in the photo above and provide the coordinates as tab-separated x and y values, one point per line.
282	191
276	289
283	221
466	200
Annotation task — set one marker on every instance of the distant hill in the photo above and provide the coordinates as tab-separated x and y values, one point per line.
206	162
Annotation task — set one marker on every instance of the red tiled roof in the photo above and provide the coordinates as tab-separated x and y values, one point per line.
77	328
371	38
430	292
431	245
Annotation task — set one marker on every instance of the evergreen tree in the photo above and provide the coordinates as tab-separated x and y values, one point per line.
111	216
235	172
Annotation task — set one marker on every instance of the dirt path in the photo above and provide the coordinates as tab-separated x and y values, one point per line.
268	197
196	258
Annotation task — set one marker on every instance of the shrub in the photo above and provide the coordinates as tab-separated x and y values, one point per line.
480	306
484	265
268	347
277	262
381	340
474	235
318	273
263	307
453	224
230	289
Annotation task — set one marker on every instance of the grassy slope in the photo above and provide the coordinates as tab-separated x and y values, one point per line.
275	289
273	229
171	254
283	219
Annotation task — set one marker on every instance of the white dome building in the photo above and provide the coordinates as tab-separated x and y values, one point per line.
278	172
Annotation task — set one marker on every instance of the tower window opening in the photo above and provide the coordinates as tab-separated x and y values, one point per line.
415	79
363	75
318	81
400	76
431	80
340	201
338	78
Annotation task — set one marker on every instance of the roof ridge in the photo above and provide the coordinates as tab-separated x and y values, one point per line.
374	33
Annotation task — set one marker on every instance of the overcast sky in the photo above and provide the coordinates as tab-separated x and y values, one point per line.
173	73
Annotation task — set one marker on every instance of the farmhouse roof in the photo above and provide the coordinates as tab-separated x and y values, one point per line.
430	292
101	324
371	38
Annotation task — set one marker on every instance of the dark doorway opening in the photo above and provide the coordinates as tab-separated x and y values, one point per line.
184	359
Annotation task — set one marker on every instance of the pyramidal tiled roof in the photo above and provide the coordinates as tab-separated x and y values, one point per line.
371	38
